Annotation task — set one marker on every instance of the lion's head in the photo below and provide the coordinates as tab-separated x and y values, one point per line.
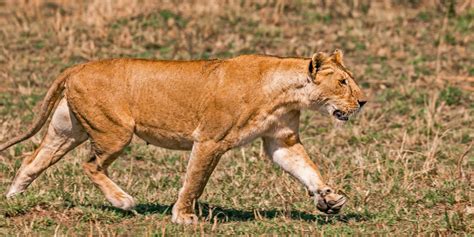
334	89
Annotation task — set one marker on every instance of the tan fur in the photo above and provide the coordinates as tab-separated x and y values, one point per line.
208	107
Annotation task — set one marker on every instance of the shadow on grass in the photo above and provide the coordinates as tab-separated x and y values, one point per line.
222	214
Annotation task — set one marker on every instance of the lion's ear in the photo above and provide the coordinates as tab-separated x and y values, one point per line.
337	56
316	62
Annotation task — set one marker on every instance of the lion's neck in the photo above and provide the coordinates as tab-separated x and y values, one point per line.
290	86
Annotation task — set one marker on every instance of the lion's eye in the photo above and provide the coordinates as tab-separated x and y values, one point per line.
344	81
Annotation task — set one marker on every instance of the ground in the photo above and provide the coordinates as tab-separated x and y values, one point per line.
405	163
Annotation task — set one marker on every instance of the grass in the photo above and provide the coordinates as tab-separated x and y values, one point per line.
405	162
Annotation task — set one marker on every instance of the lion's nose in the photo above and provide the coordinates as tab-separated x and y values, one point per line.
361	103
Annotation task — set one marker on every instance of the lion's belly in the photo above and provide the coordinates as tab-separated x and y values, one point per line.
165	127
165	139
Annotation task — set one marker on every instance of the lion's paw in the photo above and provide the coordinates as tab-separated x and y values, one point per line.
122	201
186	219
180	217
328	201
14	190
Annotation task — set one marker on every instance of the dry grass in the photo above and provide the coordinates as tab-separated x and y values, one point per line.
406	162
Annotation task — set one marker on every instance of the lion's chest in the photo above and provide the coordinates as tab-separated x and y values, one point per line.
254	127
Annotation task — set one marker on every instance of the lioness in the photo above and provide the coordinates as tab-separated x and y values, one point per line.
206	106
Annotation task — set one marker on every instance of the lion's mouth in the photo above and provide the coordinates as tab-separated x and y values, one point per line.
338	114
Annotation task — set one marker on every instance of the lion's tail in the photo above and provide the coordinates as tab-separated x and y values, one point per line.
51	99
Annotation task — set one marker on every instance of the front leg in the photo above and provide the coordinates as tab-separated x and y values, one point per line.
288	152
203	160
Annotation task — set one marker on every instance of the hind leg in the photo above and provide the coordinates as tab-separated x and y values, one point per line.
64	134
96	170
108	139
110	128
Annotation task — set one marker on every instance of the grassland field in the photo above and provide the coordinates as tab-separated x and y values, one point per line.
405	163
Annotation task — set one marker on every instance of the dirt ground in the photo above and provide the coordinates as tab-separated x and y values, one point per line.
405	163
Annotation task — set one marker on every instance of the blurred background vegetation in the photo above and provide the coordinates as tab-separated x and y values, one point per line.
406	162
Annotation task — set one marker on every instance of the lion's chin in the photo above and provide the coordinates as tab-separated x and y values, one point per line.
339	123
342	120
